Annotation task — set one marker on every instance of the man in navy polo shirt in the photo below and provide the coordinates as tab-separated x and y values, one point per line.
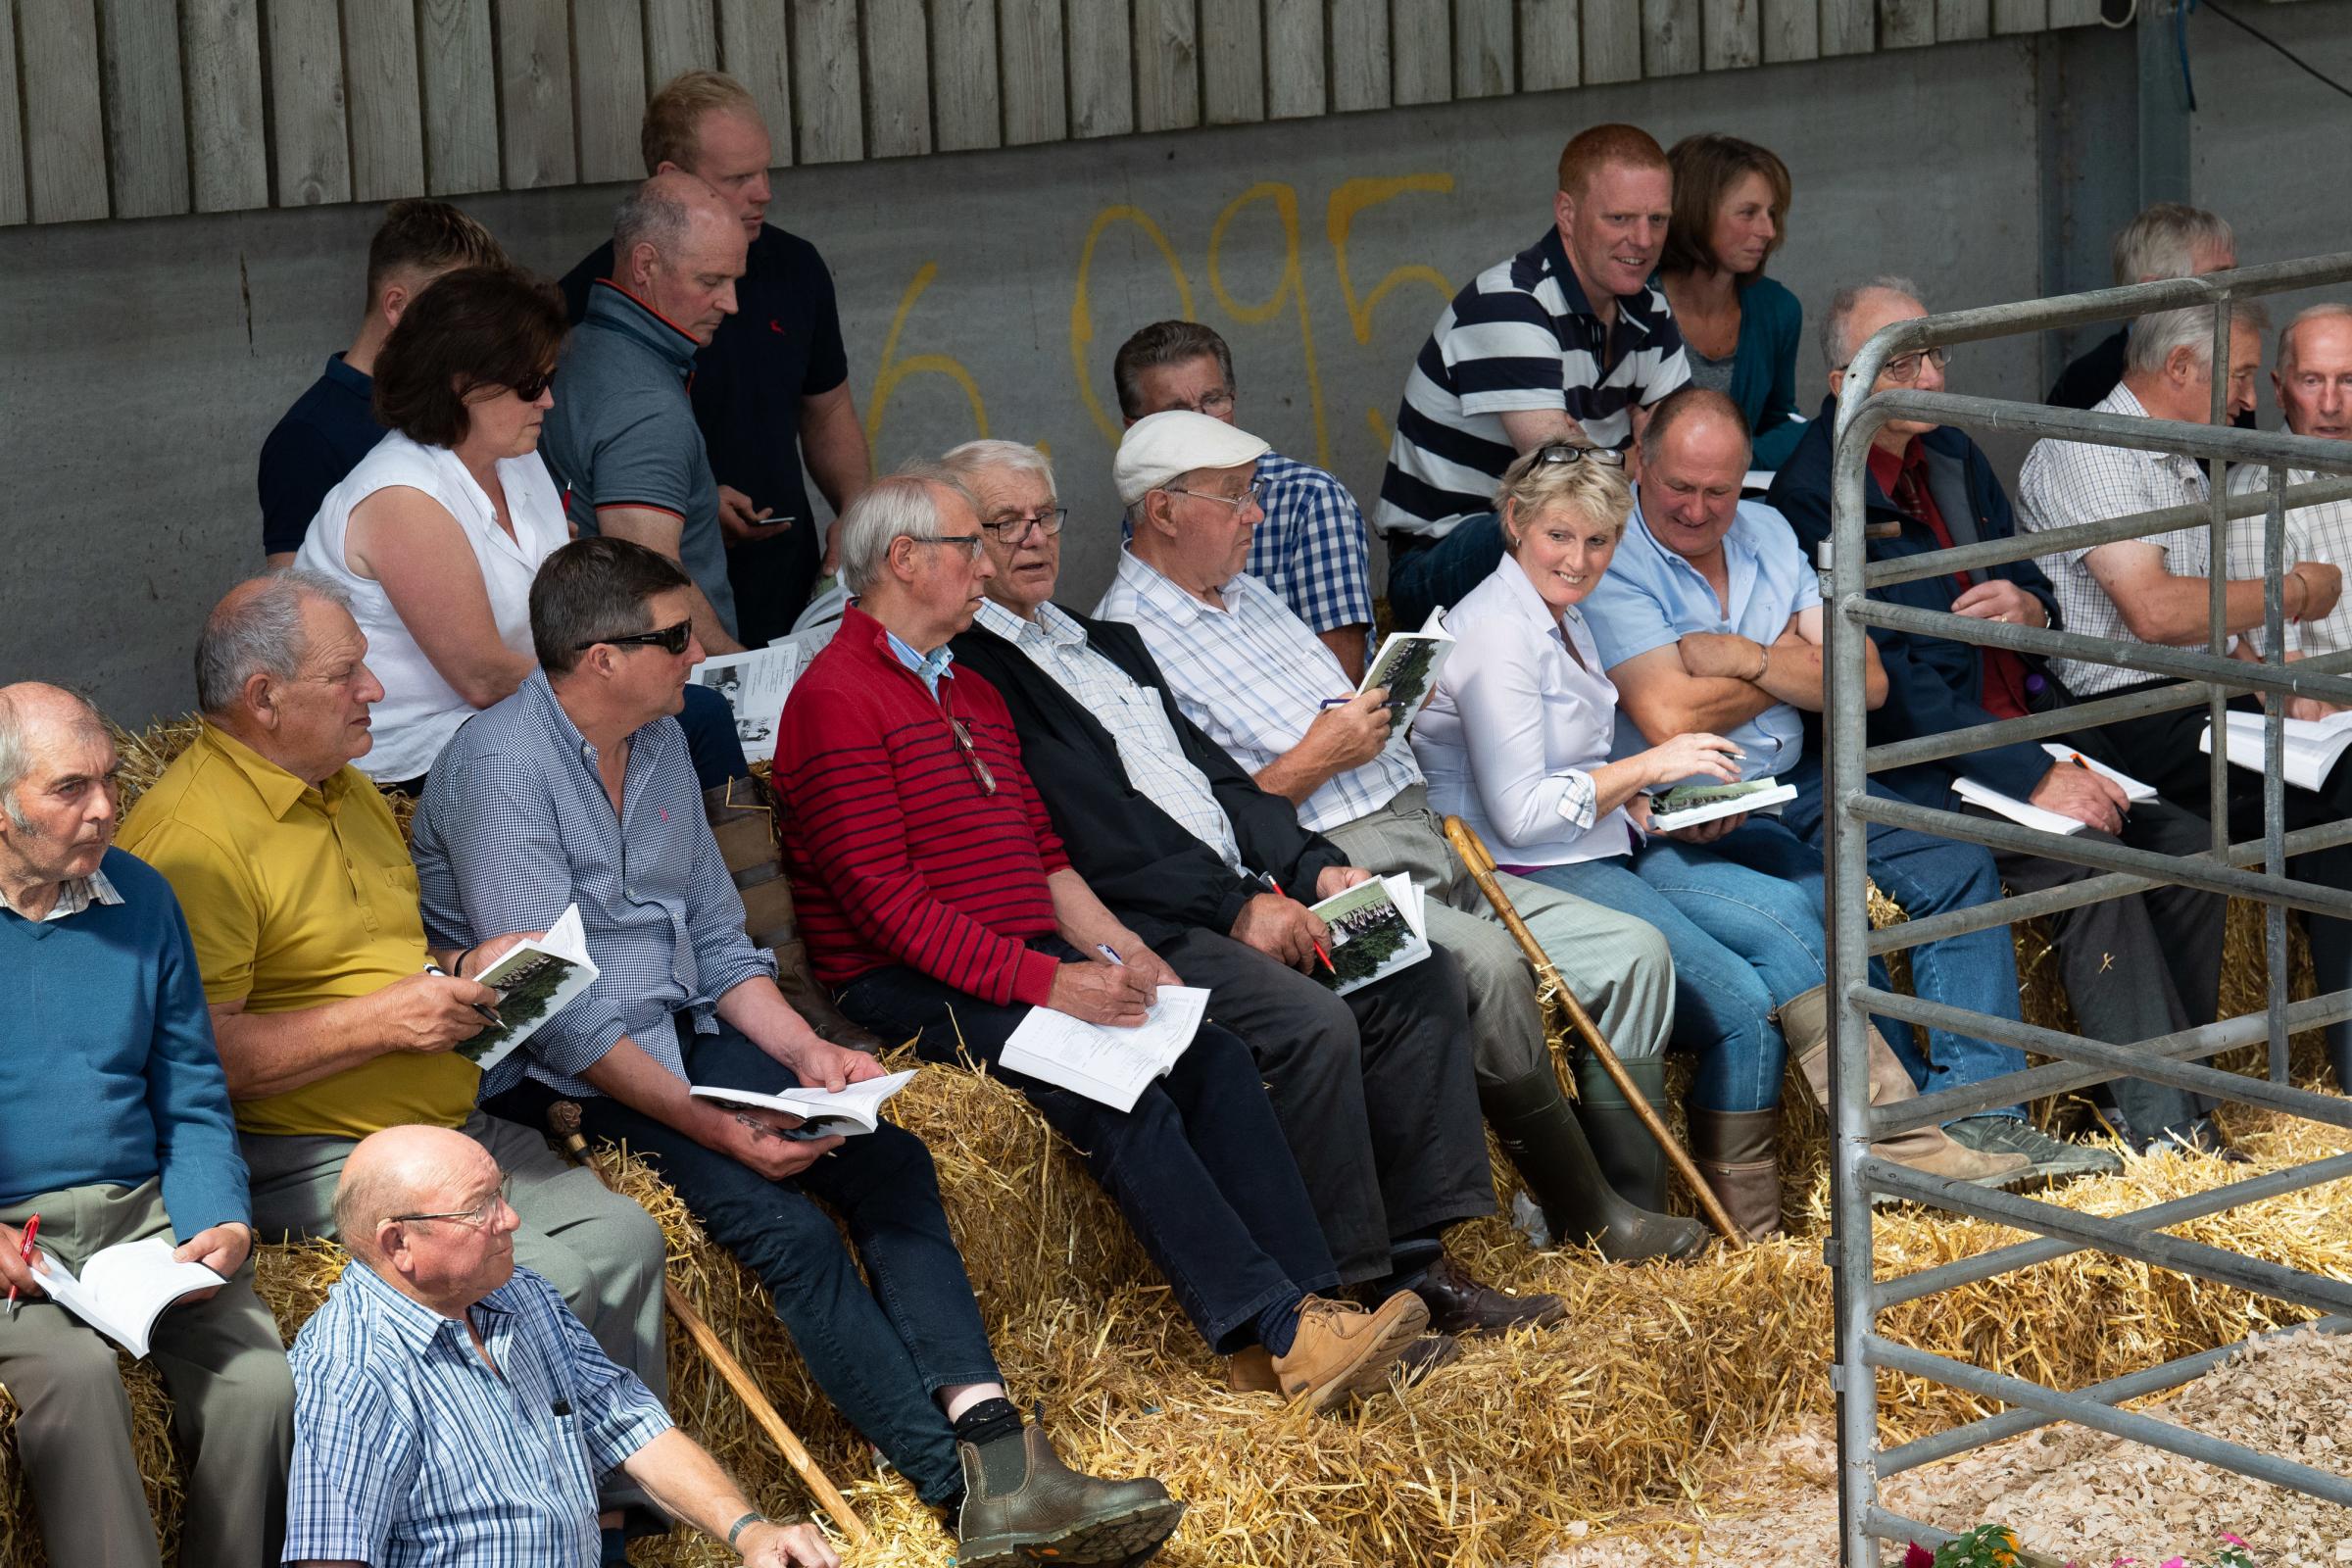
773	372
332	425
1566	341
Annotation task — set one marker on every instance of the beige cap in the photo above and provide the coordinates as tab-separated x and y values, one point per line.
1159	447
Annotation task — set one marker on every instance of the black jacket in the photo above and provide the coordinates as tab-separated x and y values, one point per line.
1146	865
1934	684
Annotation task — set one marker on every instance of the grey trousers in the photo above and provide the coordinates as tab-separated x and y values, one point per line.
1373	1090
1617	965
233	1403
600	1249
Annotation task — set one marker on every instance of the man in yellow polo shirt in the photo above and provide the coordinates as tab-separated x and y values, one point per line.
302	899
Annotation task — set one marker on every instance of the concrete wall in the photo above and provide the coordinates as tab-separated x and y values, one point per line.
144	361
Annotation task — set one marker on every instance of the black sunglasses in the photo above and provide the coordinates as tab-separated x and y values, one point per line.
669	639
530	390
1568	451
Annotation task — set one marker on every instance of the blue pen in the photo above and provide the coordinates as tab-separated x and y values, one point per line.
1105	949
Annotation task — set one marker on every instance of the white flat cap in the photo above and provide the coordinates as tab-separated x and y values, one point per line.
1162	446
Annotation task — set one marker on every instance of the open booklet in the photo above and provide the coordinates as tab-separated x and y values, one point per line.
534	981
1376	928
1407	664
856	1110
1688	805
2026	814
754	685
123	1290
1109	1067
2310	748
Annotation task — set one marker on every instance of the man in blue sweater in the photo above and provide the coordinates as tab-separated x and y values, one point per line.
119	1130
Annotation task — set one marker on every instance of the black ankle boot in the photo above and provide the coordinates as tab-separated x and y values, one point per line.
1539	1133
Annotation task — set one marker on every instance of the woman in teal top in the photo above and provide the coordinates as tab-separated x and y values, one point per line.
1731	213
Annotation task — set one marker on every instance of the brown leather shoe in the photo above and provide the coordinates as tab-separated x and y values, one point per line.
1342	1350
1459	1305
1052	1513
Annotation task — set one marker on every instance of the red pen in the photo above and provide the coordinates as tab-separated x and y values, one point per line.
1326	958
32	1228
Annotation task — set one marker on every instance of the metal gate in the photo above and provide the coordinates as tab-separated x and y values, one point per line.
2255	869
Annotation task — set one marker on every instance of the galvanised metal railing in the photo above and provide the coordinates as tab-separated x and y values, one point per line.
2255	869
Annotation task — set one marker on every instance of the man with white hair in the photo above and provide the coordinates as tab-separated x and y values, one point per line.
941	905
119	1131
2169	240
1257	682
621	438
2313	383
576	790
2136	966
1374	1090
450	1413
334	1019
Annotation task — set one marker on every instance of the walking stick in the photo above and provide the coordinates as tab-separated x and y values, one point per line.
1467	844
563	1120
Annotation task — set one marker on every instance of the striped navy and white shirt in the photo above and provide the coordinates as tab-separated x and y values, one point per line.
1521	339
515	825
410	1453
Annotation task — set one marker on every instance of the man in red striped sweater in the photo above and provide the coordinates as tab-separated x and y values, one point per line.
935	899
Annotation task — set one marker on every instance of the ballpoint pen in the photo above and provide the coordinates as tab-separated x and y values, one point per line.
32	1228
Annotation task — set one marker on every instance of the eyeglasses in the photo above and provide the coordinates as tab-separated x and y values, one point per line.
669	639
1012	530
972	756
969	541
479	1217
1903	369
1216	404
1559	452
1255	493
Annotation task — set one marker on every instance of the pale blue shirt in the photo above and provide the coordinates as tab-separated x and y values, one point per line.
1651	597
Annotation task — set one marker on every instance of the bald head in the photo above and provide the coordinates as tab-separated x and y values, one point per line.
407	1170
54	751
679	247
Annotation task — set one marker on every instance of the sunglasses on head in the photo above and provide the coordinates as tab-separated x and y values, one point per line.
1569	452
669	639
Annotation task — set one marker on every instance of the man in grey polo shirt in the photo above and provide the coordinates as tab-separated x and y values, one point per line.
621	438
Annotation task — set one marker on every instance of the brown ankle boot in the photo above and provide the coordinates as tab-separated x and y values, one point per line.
1738	1151
1805	1026
1022	1504
1340	1348
743	820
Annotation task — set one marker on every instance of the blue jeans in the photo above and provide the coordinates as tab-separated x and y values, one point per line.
879	1354
1744	943
1442	574
1926	875
1200	1166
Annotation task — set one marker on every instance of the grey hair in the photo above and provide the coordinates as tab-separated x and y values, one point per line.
2157	334
2331	310
975	458
257	633
2163	241
1836	352
889	509
651	215
16	748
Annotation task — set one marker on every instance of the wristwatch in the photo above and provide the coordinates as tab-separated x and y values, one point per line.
736	1528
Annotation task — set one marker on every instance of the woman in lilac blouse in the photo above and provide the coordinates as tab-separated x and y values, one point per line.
1517	741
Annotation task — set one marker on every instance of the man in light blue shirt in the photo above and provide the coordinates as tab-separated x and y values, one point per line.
449	1409
1709	619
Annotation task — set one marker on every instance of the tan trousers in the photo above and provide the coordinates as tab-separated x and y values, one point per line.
232	1405
1617	965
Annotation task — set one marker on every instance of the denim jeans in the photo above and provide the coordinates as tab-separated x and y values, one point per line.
1200	1166
1423	578
1926	875
1743	942
880	1354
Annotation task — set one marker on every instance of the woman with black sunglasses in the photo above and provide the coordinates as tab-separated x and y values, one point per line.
438	532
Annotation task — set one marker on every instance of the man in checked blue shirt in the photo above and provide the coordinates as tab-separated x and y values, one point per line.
1313	548
449	1409
577	790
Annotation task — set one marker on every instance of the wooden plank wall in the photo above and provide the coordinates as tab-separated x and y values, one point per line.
147	108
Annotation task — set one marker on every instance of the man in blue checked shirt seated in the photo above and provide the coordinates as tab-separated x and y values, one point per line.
450	1409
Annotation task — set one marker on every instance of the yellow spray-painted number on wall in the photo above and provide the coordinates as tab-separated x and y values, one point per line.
1290	287
1082	314
892	369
